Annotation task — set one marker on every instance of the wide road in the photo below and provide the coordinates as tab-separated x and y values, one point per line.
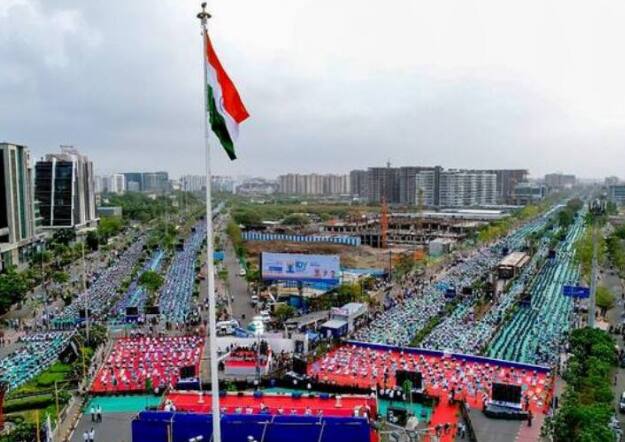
237	288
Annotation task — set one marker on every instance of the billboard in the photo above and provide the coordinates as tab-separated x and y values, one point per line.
298	267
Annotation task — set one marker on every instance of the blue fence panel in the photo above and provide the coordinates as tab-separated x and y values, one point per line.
151	426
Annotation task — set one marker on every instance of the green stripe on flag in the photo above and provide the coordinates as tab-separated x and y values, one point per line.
218	124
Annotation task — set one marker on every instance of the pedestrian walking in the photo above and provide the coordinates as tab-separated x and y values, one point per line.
99	413
85	436
92	435
92	413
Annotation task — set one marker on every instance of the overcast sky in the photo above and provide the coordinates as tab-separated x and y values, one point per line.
330	85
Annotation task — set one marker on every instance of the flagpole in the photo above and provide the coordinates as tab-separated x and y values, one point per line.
204	16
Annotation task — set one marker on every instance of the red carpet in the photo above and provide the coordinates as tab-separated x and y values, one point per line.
273	404
472	381
445	414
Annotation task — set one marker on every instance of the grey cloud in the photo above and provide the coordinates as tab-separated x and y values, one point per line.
122	81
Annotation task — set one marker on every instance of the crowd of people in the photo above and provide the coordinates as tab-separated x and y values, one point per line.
103	291
470	327
35	353
419	303
446	377
537	334
145	363
136	294
468	330
175	296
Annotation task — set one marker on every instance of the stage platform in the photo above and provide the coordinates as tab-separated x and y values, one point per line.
288	404
494	430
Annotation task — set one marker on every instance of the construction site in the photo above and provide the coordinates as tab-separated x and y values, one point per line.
363	237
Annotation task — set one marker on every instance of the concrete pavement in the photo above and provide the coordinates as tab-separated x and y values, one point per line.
237	287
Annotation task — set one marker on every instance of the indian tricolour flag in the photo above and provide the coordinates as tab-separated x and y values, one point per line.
225	108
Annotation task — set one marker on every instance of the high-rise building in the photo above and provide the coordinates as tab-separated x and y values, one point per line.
612	181
559	181
134	181
528	193
18	216
383	183
616	194
459	188
222	184
65	189
192	183
156	182
507	179
313	184
116	183
358	183
427	187
455	188
100	184
407	183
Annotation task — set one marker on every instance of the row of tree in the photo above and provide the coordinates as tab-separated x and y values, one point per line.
586	407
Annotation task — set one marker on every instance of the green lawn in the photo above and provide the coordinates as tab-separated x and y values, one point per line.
57	372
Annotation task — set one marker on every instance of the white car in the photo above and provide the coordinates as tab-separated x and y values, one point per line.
256	326
242	272
264	314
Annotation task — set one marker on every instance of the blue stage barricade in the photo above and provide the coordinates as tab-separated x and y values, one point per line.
158	426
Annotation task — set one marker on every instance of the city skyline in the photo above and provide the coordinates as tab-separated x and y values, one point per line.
97	76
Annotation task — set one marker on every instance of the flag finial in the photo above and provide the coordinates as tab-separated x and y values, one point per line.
203	15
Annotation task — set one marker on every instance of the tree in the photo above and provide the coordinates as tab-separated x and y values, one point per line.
284	312
565	217
64	236
604	299
92	241
586	405
60	277
296	219
108	227
151	281
247	217
13	288
404	265
407	388
349	293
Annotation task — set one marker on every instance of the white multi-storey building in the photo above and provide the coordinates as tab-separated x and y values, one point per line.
313	184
